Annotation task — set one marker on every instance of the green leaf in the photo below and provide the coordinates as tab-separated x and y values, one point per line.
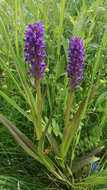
70	130
22	139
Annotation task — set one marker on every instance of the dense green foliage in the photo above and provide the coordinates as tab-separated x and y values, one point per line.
61	19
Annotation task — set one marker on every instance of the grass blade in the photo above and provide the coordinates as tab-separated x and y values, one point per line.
93	180
21	139
15	105
11	76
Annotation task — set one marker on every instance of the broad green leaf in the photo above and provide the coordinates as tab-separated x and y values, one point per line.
70	130
22	140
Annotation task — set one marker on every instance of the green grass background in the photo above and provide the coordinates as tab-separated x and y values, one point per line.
61	19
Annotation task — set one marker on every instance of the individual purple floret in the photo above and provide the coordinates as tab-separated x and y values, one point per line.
35	50
76	61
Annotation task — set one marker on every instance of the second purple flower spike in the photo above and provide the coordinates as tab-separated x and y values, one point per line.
76	61
35	49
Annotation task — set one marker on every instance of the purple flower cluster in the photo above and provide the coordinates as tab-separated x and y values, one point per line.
76	61
35	50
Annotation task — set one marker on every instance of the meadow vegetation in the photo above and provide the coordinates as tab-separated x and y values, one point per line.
61	20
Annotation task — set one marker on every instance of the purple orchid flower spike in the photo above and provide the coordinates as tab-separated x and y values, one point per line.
35	50
76	61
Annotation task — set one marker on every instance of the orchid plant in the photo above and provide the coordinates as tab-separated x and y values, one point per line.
57	162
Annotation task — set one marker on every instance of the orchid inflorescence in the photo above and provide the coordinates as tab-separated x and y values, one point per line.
35	50
76	61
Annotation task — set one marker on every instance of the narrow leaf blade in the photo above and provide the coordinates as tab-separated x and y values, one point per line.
21	138
69	131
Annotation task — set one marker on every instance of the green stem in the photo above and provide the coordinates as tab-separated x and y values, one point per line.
39	109
67	113
69	104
